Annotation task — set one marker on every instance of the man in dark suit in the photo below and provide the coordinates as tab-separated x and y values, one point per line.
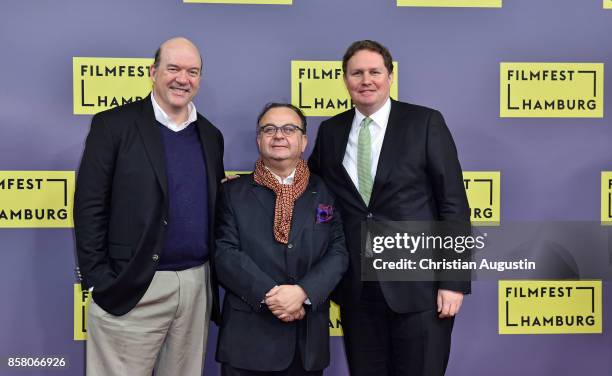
280	252
144	210
390	161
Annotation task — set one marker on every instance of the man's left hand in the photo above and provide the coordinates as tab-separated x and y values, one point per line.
449	303
285	317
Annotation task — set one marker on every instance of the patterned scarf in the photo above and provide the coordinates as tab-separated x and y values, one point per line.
286	195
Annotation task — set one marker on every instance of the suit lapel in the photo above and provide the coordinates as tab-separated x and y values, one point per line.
341	140
211	153
302	210
153	143
393	142
264	196
342	129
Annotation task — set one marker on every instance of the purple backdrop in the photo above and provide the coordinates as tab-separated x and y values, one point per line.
449	59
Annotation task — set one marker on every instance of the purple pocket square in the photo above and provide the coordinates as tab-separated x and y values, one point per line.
325	213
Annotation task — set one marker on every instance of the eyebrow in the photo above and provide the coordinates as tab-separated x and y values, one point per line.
265	125
365	69
178	66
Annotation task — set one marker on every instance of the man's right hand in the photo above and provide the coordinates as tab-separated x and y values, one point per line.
283	313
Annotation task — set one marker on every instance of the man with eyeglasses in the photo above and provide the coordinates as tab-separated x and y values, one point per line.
279	253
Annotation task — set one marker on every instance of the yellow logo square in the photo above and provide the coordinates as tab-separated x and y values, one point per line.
100	83
335	324
483	191
32	199
317	87
606	197
550	307
81	305
553	90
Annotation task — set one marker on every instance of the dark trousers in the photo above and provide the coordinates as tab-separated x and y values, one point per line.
380	342
296	368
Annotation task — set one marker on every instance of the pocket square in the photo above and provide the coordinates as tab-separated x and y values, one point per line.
325	213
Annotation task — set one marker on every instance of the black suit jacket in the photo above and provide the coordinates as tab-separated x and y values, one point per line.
121	203
250	262
418	178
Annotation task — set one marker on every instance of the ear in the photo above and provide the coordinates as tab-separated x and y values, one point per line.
152	71
304	142
258	142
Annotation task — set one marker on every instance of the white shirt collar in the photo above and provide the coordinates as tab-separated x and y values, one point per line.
380	117
288	180
162	117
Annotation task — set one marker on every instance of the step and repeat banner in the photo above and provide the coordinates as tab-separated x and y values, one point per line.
522	85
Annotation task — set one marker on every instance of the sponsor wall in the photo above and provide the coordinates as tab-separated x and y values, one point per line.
521	85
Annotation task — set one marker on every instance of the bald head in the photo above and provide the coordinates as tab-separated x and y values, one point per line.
176	75
179	43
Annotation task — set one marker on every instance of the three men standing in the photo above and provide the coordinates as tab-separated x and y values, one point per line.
144	214
386	160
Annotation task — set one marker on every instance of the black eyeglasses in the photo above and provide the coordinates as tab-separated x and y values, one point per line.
287	129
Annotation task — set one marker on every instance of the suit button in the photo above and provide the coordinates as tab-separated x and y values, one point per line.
289	245
165	222
370	215
155	257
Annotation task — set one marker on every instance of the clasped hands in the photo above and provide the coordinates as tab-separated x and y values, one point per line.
286	302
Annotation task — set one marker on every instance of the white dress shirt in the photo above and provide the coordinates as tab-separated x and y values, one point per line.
162	117
377	128
286	181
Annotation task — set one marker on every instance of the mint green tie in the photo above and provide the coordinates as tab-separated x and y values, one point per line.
364	160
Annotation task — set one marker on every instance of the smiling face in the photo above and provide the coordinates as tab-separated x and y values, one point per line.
368	81
176	78
279	147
